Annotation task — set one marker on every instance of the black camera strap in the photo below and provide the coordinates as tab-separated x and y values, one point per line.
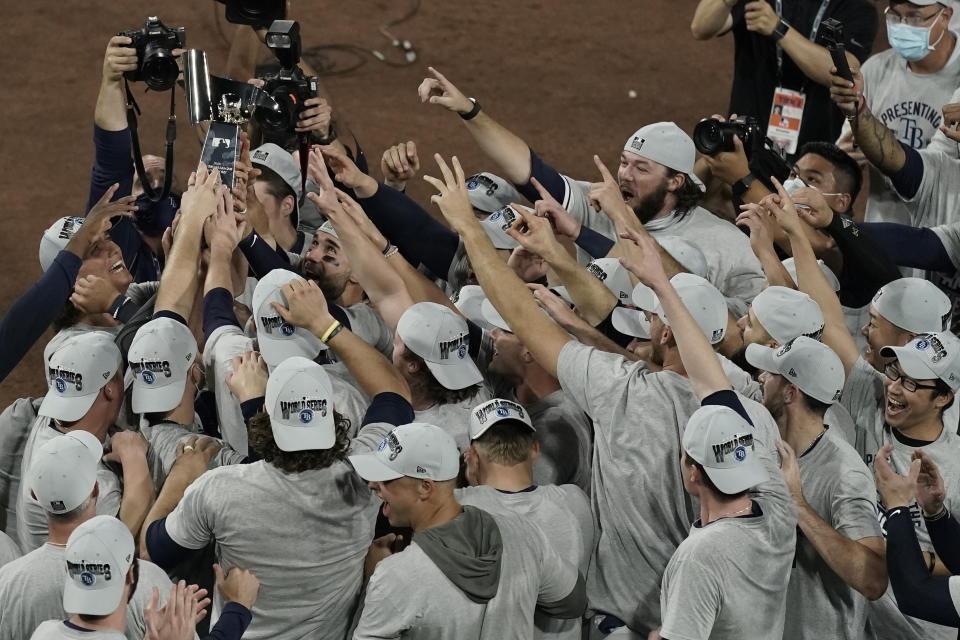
303	144
133	110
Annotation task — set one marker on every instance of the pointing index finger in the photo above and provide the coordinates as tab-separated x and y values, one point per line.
607	176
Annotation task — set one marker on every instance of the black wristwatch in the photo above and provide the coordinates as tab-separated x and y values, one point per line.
780	30
740	186
470	115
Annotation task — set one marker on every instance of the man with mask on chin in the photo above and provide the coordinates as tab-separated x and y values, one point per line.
908	84
655	180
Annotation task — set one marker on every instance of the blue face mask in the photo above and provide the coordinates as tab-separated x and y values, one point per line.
910	43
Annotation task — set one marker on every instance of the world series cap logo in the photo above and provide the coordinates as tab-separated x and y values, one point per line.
306	416
148	377
60	385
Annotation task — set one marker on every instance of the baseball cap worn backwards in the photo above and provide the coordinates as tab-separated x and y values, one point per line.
913	304
665	143
494	411
64	471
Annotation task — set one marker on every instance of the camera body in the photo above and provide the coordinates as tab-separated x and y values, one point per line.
155	42
256	13
711	136
832	38
289	86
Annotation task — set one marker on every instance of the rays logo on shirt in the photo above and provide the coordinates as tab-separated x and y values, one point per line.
62	377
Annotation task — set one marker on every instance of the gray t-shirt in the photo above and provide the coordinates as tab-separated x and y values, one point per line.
732	266
562	510
304	535
31	590
638	419
409	596
840	489
909	104
61	630
863	396
735	569
566	441
31	518
16	422
9	551
454	418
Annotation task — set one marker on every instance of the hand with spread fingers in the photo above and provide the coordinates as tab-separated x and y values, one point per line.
326	200
249	377
399	165
179	617
895	489
345	171
438	90
453	200
99	220
931	493
535	234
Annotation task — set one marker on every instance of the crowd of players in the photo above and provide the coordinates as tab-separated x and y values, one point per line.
611	412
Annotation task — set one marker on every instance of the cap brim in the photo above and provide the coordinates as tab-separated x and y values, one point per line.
313	438
68	409
93	602
761	357
369	467
644	298
500	238
276	351
155	400
697	181
492	316
911	363
631	322
456	375
746	475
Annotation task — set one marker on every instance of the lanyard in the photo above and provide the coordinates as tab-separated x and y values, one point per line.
813	33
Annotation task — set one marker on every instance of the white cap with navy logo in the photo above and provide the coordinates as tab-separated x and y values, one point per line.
721	440
665	143
160	356
299	401
497	410
416	450
787	313
76	372
929	356
489	193
63	472
913	304
703	300
56	238
440	336
496	225
805	362
98	556
614	276
277	338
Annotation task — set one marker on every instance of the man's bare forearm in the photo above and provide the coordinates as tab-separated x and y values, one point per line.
878	143
501	145
111	110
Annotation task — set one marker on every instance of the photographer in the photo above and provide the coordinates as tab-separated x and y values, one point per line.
139	239
776	50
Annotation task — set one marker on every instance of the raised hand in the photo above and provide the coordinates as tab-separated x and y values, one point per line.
202	196
306	306
812	207
647	266
316	116
118	59
606	195
438	90
760	17
356	213
758	220
400	164
453	200
931	493
326	200
548	207
249	377
896	490
93	294
224	230
345	172
848	96
535	234
783	209
99	220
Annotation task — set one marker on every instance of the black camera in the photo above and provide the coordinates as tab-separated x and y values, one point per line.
832	38
711	136
289	86
155	42
256	13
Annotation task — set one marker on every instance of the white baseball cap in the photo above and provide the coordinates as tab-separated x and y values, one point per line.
807	363
416	450
492	317
703	300
665	143
929	356
56	237
721	441
496	225
441	338
160	356
278	160
686	254
614	276
76	372
468	301
489	193
277	338
98	555
299	401
791	266
913	304
497	410
327	227
63	472
787	313
631	322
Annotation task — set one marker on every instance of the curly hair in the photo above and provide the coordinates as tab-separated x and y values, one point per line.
688	195
261	441
432	387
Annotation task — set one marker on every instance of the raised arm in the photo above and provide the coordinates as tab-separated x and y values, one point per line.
308	308
878	143
712	18
698	357
508	294
111	109
501	145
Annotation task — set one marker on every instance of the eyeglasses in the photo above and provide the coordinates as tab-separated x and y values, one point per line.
909	384
910	21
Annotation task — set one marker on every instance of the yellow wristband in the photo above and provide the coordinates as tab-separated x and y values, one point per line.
330	330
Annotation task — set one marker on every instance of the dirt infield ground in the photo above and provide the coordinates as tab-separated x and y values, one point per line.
558	72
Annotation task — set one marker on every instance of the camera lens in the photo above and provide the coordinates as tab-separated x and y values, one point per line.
159	68
708	136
